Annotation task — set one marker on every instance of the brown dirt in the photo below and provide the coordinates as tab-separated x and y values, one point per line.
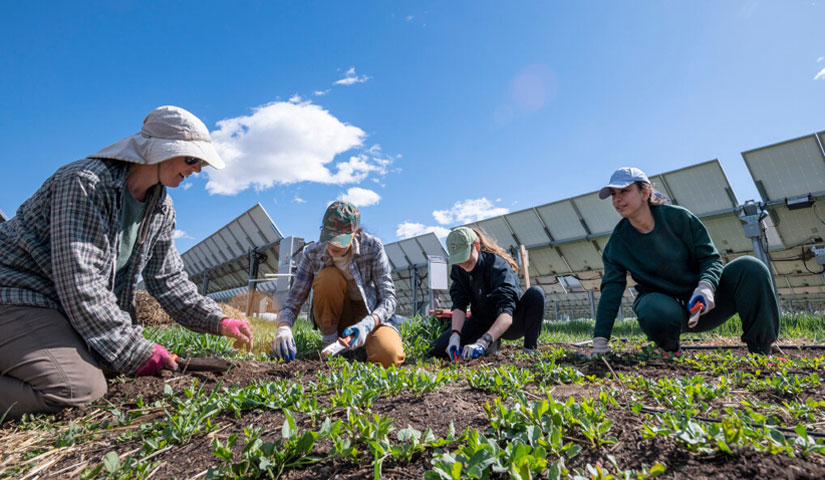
456	403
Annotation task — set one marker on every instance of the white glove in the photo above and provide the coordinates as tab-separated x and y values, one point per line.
474	350
703	293
359	332
600	346
284	343
454	347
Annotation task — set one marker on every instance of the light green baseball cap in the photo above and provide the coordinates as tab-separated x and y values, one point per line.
459	244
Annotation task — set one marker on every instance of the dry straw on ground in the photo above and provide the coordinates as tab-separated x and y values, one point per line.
150	313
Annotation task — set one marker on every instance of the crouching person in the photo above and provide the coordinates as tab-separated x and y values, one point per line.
353	292
70	261
484	278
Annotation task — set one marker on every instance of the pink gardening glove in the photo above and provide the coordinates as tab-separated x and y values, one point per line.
159	360
239	330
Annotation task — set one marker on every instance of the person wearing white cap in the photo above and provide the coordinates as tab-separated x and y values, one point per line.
681	282
70	260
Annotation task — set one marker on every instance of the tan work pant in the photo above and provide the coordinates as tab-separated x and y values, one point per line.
334	311
44	363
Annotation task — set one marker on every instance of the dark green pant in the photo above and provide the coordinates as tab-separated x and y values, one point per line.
745	288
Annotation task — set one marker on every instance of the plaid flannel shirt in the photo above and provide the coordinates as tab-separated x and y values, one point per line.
60	252
370	270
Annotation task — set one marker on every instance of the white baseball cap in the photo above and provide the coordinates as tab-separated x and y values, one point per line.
622	178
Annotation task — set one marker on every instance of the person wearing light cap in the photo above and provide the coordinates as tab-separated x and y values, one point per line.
353	292
484	278
681	282
70	260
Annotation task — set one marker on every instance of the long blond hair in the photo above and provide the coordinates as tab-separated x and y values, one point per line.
488	245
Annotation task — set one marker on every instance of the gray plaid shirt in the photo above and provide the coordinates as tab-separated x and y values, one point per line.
370	269
60	252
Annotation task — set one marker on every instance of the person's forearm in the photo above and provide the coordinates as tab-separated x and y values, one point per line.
500	326
458	319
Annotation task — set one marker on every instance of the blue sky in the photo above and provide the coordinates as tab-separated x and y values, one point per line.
435	113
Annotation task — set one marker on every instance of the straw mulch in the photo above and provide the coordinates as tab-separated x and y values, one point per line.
150	313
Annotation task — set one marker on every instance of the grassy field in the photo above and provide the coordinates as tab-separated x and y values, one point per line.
557	414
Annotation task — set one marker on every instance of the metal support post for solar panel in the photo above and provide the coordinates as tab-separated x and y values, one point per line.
556	310
621	312
751	215
592	304
253	274
205	284
414	280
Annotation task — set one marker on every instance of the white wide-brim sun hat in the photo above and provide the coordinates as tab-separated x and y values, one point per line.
167	132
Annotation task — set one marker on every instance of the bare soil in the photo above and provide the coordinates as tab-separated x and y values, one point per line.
456	403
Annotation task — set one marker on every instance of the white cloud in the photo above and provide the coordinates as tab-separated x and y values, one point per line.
187	186
181	234
319	93
820	59
820	75
471	210
289	142
298	199
361	197
350	78
409	17
410	229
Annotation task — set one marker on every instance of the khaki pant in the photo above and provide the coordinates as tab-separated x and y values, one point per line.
334	312
44	363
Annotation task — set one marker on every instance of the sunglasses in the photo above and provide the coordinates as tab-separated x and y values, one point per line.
194	160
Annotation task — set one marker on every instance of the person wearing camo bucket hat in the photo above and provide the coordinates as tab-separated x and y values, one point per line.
71	258
681	282
353	294
484	278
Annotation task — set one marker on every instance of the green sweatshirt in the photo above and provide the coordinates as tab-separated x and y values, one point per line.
671	259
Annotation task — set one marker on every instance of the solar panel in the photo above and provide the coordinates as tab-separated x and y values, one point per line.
3	217
599	215
788	169
252	229
528	227
702	188
562	221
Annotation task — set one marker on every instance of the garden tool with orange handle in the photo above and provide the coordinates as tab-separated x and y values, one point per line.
337	347
695	313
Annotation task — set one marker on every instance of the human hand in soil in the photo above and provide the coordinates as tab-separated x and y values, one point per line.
359	332
600	346
284	344
454	347
160	359
239	330
703	293
474	350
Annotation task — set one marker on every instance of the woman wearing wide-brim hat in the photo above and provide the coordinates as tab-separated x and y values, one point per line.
484	279
353	295
71	258
681	282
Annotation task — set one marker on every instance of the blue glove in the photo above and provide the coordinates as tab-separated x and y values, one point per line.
359	332
284	344
454	347
474	350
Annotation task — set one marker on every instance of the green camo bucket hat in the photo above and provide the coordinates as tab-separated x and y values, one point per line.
459	244
341	220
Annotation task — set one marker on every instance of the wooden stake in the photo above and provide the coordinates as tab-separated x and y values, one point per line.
525	266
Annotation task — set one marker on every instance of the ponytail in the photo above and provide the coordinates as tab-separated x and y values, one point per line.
656	197
489	246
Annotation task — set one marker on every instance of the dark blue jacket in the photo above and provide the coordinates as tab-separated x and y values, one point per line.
492	288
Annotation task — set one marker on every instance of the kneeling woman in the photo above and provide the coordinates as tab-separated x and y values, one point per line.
484	277
670	255
353	292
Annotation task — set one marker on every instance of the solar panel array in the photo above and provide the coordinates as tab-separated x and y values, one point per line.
565	238
224	255
408	259
792	174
